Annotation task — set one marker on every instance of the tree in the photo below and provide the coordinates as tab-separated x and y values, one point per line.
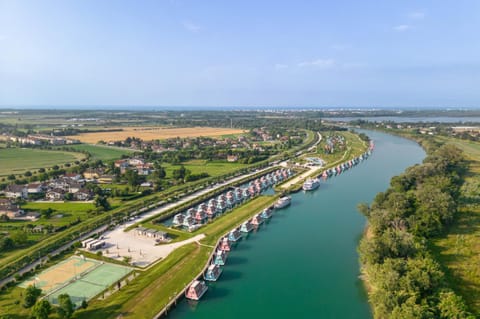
102	202
6	243
84	304
133	178
19	238
452	306
65	306
31	295
41	309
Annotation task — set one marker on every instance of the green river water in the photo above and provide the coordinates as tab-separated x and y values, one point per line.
304	262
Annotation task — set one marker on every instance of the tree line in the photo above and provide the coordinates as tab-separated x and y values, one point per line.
403	278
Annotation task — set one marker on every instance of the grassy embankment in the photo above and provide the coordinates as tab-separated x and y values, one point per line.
20	160
458	250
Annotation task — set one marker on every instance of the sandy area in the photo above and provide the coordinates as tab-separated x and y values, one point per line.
141	249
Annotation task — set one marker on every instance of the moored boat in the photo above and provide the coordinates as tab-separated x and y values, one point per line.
196	290
311	184
220	258
283	202
266	213
224	244
212	273
257	220
234	235
246	227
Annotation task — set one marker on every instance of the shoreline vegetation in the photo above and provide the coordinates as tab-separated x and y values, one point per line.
402	277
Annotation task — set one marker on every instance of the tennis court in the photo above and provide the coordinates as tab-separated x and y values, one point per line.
60	274
92	283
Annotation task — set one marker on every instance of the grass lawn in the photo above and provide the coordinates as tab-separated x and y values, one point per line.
104	153
355	146
204	166
20	160
458	250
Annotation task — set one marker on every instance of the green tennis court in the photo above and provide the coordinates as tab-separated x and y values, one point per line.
91	284
61	274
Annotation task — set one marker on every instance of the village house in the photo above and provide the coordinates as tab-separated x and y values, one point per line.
55	194
16	191
83	194
73	176
35	188
93	173
232	158
10	209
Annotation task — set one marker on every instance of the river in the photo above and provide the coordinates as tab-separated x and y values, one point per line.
304	262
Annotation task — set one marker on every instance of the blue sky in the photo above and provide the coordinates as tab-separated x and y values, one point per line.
240	53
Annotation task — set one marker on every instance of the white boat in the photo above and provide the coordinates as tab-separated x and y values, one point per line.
283	202
311	184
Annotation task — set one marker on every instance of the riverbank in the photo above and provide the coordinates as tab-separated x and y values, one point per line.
418	206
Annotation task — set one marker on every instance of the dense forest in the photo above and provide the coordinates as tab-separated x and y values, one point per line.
403	279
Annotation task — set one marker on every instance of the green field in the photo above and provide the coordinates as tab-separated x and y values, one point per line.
104	153
20	160
458	250
69	212
204	166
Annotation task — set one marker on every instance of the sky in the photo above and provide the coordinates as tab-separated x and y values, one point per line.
240	53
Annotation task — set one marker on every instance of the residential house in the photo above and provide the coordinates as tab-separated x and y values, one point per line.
232	158
73	176
55	194
16	191
35	188
93	173
83	194
10	209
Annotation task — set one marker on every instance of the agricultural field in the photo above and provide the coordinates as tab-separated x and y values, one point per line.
104	153
20	160
204	166
148	133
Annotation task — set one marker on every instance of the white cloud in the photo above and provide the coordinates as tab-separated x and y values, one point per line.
416	15
280	66
402	27
319	63
190	26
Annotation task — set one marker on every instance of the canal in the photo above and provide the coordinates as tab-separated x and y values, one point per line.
304	262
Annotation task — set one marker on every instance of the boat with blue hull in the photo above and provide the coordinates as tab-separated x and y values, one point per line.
234	235
220	258
212	273
266	213
246	227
